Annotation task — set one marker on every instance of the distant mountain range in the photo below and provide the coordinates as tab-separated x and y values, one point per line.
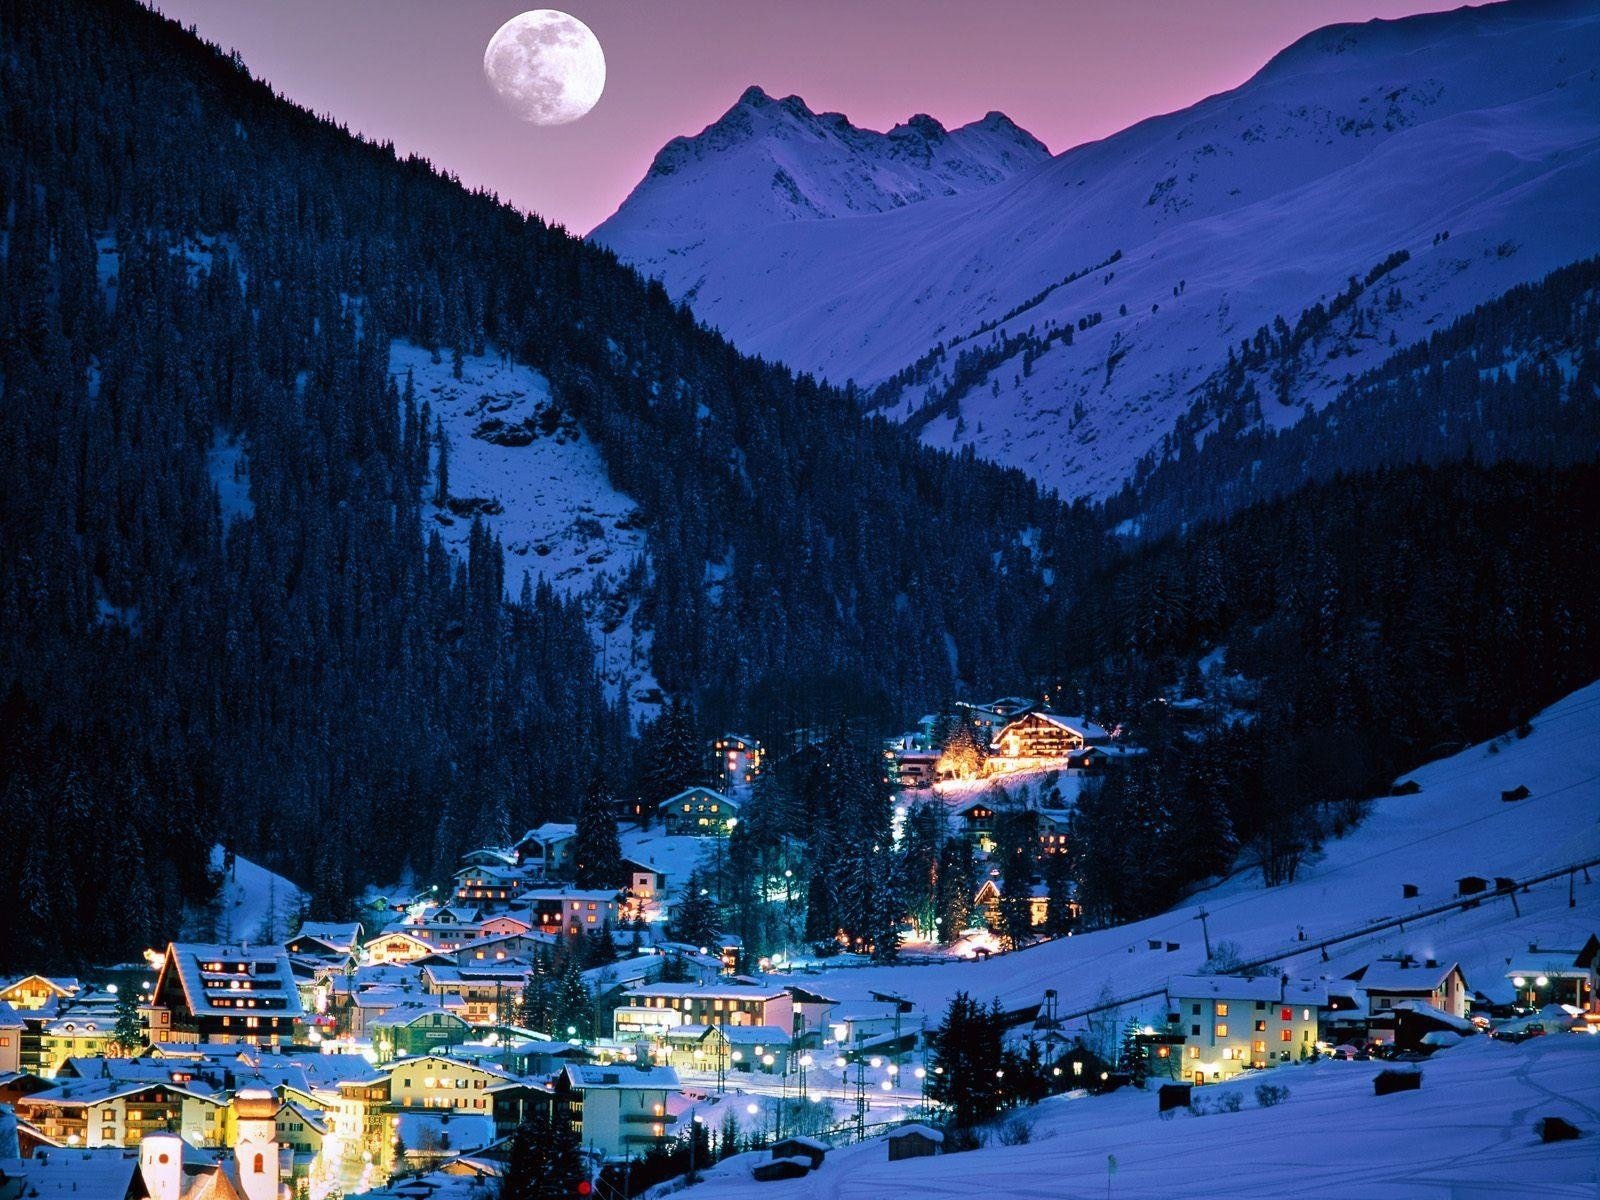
1062	314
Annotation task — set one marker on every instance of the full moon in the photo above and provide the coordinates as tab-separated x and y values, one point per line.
546	66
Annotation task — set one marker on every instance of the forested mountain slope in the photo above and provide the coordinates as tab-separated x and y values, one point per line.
200	287
1063	320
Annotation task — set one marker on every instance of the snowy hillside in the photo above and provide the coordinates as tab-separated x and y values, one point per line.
1468	1134
1457	825
769	161
529	471
252	905
1465	139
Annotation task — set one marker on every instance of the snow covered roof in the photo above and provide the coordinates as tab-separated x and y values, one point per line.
708	793
1424	1009
1081	726
590	1076
1225	987
916	1130
598	895
1387	975
76	1173
216	979
695	991
550	831
339	935
755	1035
453	1131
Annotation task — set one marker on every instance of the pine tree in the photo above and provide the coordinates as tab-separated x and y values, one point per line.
128	1035
597	850
694	920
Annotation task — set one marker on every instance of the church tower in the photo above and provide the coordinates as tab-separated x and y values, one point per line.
256	1112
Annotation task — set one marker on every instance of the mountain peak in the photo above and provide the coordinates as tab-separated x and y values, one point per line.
785	162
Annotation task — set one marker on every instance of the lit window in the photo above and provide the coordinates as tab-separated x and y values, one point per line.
1222	1009
1286	1035
1222	1030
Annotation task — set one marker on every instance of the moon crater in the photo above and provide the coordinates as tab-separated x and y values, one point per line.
546	66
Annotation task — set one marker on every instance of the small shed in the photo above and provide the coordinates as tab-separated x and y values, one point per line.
1471	885
914	1141
1520	792
780	1168
1174	1095
801	1147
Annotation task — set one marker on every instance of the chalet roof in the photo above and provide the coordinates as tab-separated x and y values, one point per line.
550	831
97	1089
708	793
340	935
739	737
1225	987
598	895
202	988
1387	975
408	1014
916	1130
512	974
590	1076
1081	726
62	986
754	1035
392	932
470	1064
695	991
108	1173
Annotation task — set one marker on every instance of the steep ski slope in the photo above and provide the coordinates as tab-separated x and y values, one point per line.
1456	825
768	161
1354	143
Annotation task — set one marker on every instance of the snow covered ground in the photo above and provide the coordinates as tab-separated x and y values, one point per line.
1468	1134
253	905
549	500
1457	825
1354	143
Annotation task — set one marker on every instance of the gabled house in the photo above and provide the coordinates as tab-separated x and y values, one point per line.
322	939
397	945
735	761
618	1111
1040	739
490	884
1544	976
1231	1022
412	1030
34	992
699	812
438	1081
217	993
650	1010
1389	980
572	912
546	850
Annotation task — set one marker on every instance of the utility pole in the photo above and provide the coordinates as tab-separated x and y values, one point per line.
1205	930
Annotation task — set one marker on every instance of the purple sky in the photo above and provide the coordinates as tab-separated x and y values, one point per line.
410	71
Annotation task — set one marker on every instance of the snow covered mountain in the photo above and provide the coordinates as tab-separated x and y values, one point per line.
768	161
1095	294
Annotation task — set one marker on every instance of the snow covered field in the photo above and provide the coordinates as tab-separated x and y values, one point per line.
1468	1134
1456	825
